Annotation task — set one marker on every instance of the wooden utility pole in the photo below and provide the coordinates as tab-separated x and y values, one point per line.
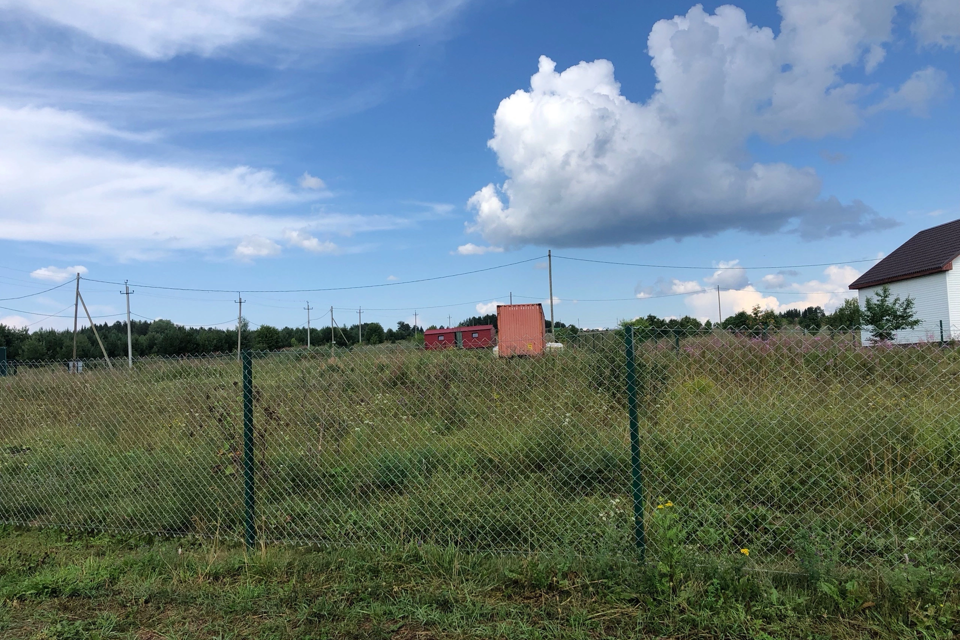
308	309
76	309
331	331
414	323
127	293
550	276
719	309
360	326
240	302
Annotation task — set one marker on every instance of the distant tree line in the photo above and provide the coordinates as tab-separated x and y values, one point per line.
882	313
164	338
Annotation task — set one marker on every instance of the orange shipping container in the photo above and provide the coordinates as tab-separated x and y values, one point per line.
520	329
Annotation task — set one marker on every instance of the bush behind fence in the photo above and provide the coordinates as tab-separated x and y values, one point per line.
796	448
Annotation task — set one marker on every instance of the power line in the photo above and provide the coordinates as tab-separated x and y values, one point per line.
351	288
12	269
439	306
52	315
676	266
688	293
37	313
30	295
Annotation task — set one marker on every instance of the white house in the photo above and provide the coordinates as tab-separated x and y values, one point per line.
922	268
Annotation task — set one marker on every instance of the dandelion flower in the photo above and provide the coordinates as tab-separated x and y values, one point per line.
668	504
659	506
745	552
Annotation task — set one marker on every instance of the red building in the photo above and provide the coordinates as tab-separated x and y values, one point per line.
479	337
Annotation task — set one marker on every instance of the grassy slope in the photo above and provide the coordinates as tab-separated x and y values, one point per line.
60	586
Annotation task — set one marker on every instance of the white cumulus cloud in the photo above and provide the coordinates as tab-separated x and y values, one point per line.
306	241
773	280
729	275
488	307
685	286
828	293
585	166
308	181
14	322
58	274
917	92
471	249
256	247
938	22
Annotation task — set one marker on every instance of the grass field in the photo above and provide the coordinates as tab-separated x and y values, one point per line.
58	586
810	452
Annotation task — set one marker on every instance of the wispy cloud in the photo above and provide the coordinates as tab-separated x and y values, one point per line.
437	208
306	241
58	274
471	249
61	186
832	157
256	247
308	181
276	30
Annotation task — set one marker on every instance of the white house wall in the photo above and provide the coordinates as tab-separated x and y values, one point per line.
953	301
932	304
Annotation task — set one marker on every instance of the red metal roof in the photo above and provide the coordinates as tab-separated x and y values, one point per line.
930	251
479	327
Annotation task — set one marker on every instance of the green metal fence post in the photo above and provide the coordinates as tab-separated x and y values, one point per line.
3	361
636	477
248	486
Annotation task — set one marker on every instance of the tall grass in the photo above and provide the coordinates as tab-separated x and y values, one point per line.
798	448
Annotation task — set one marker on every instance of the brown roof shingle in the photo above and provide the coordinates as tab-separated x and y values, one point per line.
930	251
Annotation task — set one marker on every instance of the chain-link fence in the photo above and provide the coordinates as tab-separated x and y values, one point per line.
790	445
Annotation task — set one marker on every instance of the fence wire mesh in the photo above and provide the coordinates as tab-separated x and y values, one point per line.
795	447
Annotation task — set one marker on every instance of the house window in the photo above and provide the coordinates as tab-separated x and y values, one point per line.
475	334
439	337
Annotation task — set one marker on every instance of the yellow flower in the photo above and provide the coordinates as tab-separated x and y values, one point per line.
745	552
668	504
659	506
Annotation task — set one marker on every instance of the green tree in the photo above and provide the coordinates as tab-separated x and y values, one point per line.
373	332
267	338
812	318
886	316
34	348
848	316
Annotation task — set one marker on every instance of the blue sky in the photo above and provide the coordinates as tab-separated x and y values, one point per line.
311	144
